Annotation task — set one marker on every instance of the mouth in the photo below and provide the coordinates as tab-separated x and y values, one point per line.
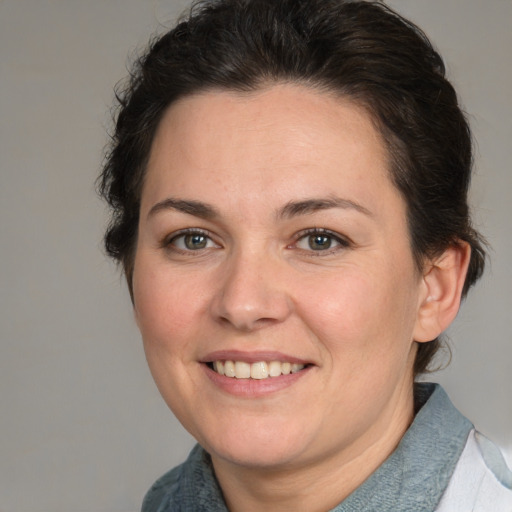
258	370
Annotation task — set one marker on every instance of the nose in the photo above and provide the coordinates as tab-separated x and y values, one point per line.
252	293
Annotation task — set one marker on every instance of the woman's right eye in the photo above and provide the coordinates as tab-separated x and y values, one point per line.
191	241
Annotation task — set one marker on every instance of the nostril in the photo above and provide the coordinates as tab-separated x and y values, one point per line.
246	323
250	297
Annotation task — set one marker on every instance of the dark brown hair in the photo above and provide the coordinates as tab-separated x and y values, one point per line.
359	49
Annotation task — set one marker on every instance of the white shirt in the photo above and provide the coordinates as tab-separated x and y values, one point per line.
481	481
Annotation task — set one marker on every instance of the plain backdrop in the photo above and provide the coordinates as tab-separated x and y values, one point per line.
82	427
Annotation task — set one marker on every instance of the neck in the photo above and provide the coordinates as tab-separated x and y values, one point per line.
320	484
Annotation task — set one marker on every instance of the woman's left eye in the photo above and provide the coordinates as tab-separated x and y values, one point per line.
192	241
320	240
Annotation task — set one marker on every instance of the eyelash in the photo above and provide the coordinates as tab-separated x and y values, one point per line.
170	242
342	242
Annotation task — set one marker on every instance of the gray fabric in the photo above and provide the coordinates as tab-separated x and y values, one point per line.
190	487
416	474
413	477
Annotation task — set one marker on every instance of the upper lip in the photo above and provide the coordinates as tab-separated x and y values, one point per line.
251	357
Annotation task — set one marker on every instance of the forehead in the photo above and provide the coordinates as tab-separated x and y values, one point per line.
288	139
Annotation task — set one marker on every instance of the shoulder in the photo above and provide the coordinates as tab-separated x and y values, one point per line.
166	485
189	486
481	482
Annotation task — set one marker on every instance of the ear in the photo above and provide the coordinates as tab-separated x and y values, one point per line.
443	280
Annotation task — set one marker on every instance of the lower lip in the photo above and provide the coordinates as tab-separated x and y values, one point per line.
253	388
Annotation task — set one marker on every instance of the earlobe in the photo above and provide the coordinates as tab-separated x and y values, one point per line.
443	282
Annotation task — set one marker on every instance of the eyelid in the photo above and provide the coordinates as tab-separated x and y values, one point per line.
343	241
167	242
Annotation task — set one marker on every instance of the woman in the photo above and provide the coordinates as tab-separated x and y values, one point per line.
289	189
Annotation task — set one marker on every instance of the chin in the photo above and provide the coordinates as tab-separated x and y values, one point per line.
267	457
262	448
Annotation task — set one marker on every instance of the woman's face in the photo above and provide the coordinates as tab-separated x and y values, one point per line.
270	234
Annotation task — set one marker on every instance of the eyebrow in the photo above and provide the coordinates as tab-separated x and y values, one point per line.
195	208
308	206
291	209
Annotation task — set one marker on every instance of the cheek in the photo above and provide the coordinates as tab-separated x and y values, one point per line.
166	311
165	306
345	302
361	315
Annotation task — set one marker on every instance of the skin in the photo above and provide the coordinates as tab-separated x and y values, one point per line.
351	311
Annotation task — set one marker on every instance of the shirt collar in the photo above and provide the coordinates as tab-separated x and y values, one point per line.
416	474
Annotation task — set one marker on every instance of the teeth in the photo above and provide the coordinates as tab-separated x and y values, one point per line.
242	370
260	370
218	366
229	369
297	367
274	369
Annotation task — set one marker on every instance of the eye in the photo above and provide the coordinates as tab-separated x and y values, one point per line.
320	240
191	240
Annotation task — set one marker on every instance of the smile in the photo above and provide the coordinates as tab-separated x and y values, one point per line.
259	370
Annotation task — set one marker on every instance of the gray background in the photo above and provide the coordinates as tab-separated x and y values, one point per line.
82	427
